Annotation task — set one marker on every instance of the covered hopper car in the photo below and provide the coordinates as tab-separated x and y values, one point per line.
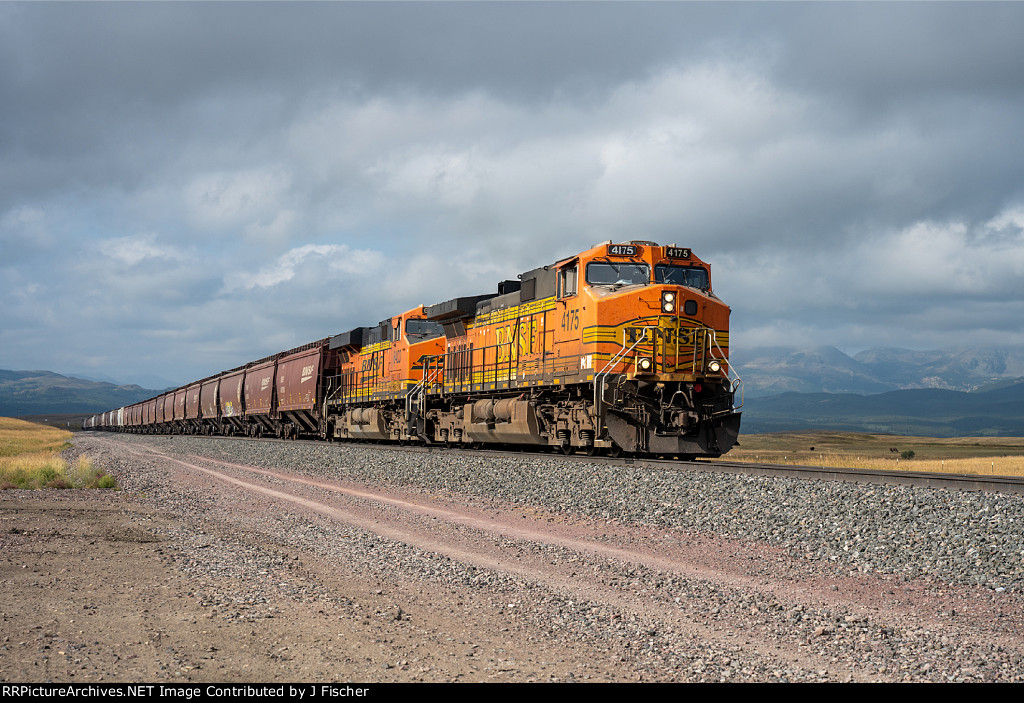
620	348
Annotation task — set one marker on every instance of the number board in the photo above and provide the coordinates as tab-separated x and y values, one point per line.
677	253
623	250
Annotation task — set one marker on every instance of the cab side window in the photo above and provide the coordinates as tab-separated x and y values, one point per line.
567	281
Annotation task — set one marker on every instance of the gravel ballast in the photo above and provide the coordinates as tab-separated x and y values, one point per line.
962	537
967	547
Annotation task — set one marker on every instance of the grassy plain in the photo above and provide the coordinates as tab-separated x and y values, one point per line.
29	458
990	456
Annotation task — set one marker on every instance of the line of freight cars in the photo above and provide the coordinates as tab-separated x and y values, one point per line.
622	347
281	395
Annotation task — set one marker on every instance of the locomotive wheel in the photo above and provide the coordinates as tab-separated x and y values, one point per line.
615	452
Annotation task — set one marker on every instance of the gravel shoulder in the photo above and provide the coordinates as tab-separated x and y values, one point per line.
242	561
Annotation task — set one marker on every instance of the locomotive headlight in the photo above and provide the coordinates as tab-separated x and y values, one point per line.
645	364
714	366
668	301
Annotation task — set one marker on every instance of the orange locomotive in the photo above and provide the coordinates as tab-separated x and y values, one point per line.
623	347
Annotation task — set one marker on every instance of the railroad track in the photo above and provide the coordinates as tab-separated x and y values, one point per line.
919	479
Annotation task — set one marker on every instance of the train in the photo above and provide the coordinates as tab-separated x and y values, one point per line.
622	348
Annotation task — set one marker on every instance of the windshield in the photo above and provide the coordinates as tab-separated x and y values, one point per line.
424	328
690	276
612	274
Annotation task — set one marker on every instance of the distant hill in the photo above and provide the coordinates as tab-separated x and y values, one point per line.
775	370
926	412
142	380
44	393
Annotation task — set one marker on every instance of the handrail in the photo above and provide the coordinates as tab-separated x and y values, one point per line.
415	394
737	384
462	375
426	379
600	376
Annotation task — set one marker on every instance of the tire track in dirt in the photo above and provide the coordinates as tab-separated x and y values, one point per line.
482	550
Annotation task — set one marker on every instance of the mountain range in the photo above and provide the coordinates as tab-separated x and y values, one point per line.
774	370
966	391
46	393
923	412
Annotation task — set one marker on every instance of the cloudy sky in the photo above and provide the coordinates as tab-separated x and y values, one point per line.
186	187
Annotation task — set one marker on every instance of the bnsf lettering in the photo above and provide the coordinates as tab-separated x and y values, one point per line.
505	337
513	343
683	335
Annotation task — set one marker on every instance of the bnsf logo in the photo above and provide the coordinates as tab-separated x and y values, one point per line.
265	383
307	372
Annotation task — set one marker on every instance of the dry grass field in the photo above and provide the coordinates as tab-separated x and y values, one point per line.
992	456
29	454
30	458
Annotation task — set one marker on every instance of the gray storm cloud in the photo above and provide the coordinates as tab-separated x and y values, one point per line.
183	187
